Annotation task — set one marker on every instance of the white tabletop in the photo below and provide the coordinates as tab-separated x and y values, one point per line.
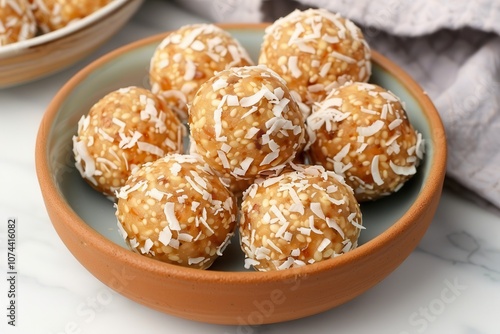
449	284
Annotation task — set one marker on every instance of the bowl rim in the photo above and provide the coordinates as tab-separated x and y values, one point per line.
92	238
97	16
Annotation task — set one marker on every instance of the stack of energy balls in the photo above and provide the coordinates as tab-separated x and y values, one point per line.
291	145
24	19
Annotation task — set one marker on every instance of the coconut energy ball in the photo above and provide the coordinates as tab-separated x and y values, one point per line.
303	216
126	128
314	50
361	131
245	123
177	211
17	22
188	57
55	14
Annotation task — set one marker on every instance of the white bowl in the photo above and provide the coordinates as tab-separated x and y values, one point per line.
45	54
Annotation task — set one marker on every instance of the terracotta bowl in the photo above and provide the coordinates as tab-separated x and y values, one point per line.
42	55
227	293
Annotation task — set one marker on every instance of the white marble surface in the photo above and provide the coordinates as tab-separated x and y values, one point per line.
449	284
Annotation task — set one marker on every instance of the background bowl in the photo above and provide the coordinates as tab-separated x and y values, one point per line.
45	54
227	293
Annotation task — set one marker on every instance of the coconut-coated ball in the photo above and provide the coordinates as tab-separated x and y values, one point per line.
314	50
176	210
303	216
124	129
189	56
245	123
362	132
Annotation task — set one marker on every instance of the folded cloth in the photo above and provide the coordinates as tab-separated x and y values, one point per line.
451	47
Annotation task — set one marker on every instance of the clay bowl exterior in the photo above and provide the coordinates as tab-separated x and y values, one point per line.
42	55
227	294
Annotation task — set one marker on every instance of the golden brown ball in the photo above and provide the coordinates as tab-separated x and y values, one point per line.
123	130
315	50
362	132
177	211
245	124
189	56
303	216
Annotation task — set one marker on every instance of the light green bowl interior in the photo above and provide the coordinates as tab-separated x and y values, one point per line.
131	68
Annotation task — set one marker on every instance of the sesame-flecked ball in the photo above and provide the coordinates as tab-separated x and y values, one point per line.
300	217
56	14
314	50
362	132
17	22
188	57
177	211
124	129
245	123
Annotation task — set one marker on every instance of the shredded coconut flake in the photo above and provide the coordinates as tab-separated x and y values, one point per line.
389	96
274	209
342	57
250	262
304	230
165	236
282	230
251	100
272	180
342	153
223	158
293	66
311	225
150	148
232	101
317	210
121	230
324	243
175	169
370	130
333	224
169	210
190	70
375	170
105	135
219	84
245	164
270	157
330	39
249	112
402	170
325	69
286	264
420	146
147	246
278	108
251	132
185	237
273	245
394	124
156	194
195	260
